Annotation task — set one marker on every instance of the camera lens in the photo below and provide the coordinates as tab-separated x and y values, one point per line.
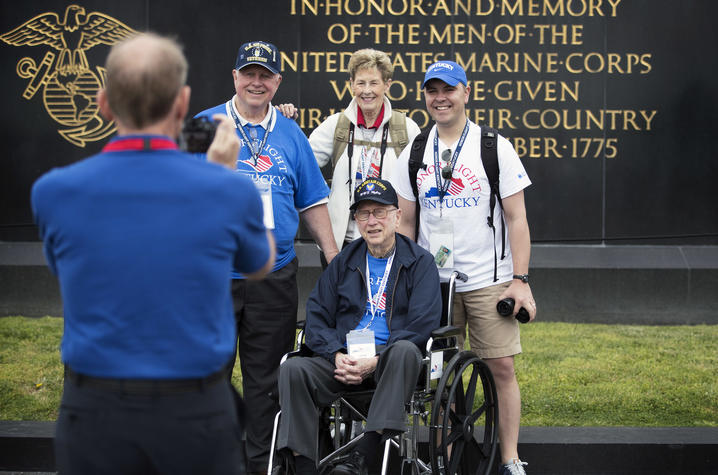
197	135
505	307
523	316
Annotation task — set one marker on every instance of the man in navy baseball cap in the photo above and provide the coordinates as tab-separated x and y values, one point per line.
258	52
276	154
377	190
448	71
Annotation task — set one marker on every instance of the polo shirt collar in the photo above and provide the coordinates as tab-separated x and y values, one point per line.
265	122
362	122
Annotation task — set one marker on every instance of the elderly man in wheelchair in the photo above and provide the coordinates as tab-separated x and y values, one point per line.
368	322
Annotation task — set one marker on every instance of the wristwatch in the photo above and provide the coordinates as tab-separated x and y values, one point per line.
522	277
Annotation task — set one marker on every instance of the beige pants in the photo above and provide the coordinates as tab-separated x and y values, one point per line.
490	334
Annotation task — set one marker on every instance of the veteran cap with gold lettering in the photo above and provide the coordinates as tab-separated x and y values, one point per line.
258	52
377	190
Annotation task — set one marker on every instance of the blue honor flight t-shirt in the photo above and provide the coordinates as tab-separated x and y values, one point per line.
378	324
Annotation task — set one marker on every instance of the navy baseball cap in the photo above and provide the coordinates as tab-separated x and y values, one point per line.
377	190
448	71
258	52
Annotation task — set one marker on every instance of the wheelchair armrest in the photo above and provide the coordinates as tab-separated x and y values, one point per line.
302	351
445	332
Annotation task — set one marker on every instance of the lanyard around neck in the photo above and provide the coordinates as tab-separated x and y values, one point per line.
376	298
138	143
442	186
350	152
250	144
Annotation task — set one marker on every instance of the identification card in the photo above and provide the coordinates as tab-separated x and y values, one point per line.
265	192
360	344
441	243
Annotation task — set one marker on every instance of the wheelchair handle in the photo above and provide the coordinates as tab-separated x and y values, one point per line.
460	276
456	275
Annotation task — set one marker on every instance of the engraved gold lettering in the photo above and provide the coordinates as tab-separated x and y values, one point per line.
548	91
612	63
392	95
586	119
478	89
338	33
560	34
509	8
340	94
420	116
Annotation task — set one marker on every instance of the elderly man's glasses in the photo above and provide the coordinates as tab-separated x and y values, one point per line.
446	169
379	213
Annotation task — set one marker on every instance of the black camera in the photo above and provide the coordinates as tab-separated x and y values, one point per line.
197	135
505	308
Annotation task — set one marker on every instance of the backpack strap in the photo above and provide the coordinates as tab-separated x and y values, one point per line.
341	137
344	135
416	161
397	129
490	160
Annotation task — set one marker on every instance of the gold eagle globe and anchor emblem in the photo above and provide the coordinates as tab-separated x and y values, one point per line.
68	83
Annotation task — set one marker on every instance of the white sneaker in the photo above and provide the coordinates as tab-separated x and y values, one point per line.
516	467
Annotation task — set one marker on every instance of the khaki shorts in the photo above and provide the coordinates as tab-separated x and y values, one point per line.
490	334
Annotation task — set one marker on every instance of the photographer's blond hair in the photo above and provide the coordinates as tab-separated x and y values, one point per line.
144	75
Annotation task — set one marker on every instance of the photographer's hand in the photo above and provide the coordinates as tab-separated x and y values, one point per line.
225	146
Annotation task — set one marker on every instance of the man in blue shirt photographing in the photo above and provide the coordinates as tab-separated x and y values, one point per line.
143	239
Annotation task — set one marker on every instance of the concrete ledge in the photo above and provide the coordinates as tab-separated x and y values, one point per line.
543	256
574	283
27	446
619	450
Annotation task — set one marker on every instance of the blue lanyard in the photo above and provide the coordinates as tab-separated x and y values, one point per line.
442	186
376	298
255	154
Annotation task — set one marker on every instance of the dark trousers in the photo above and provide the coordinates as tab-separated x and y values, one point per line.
307	384
266	314
110	432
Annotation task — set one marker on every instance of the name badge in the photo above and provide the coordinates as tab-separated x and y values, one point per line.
265	192
360	344
441	244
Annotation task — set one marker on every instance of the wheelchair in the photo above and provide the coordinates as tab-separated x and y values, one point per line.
455	402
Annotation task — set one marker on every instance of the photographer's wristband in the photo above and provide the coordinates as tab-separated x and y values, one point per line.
522	277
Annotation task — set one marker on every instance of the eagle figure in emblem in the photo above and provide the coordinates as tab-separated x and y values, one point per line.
77	32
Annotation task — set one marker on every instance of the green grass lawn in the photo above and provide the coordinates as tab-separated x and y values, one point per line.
570	374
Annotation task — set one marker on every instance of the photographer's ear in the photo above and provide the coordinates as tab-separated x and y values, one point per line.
182	103
104	105
180	109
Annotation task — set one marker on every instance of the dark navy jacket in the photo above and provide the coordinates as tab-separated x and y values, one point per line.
338	301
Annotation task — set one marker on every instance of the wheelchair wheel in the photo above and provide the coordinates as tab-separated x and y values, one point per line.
463	430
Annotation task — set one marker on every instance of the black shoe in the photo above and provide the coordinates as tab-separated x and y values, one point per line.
354	465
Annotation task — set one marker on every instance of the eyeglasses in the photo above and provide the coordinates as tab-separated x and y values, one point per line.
446	170
379	213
